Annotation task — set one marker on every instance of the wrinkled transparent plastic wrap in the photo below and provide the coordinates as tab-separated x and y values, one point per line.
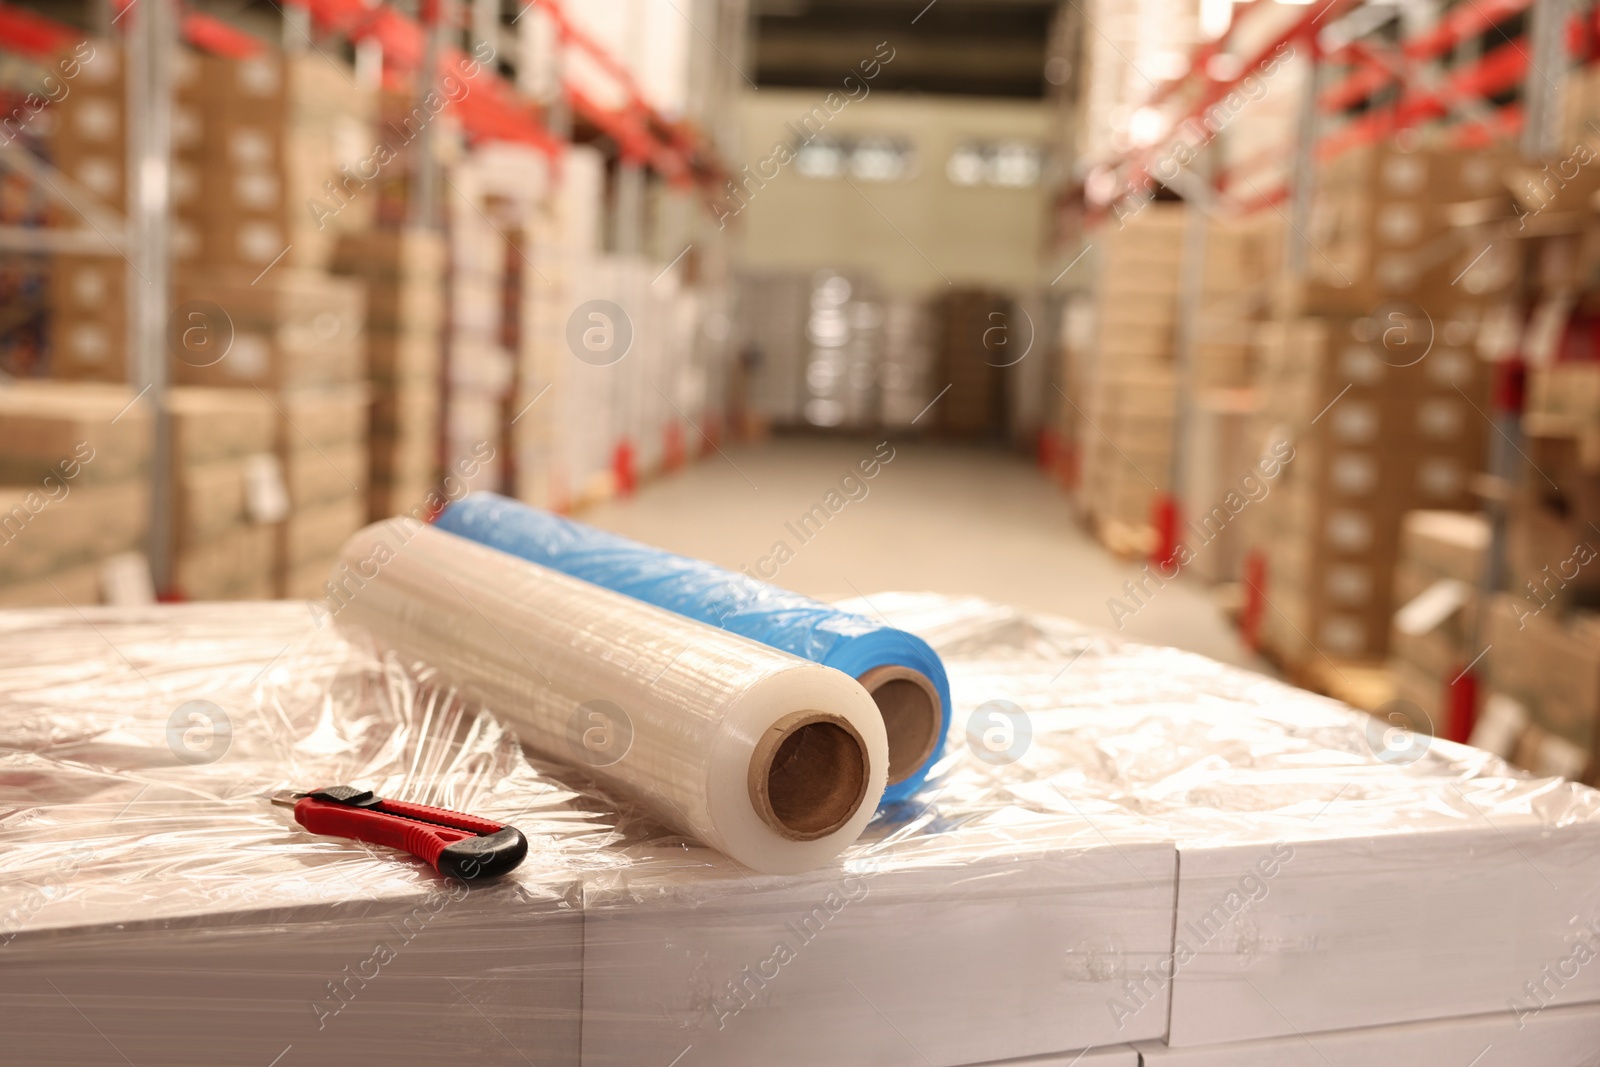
904	674
1100	800
766	757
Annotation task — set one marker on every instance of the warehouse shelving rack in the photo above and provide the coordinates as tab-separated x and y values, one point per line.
1501	85
401	49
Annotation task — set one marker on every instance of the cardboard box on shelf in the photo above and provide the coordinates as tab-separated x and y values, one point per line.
1436	600
323	445
323	416
77	432
1437	545
1381	230
403	460
411	409
1377	433
239	564
291	328
1552	550
314	476
88	328
44	530
400	497
214	424
228	491
313	535
77	586
397	358
209	500
396	254
1550	664
408	307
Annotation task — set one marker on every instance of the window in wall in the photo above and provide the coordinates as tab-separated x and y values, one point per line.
872	158
1007	164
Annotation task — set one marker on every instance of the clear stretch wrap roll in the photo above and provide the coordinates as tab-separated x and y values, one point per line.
903	674
777	762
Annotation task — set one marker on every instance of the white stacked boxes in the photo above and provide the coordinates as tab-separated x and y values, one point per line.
1557	1036
173	963
1180	855
772	312
907	362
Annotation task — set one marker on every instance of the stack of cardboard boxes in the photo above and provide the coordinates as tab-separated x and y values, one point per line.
969	359
74	494
1385	232
1543	710
561	427
277	166
1129	388
481	367
228	498
1544	630
403	271
299	346
321	443
1436	583
1220	448
1236	287
272	158
1373	438
1123	373
88	316
282	168
1375	375
268	157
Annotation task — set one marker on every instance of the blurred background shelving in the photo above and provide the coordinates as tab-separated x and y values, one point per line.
1287	306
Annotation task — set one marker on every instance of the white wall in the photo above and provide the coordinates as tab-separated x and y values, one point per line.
968	235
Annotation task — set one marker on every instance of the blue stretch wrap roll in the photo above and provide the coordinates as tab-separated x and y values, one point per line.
710	594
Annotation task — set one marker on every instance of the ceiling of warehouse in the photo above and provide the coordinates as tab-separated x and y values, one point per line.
973	47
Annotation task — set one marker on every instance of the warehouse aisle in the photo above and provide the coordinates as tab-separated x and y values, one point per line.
951	520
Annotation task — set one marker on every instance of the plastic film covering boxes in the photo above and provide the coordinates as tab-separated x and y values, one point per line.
1030	908
827	350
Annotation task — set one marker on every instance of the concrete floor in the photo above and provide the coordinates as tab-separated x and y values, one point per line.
950	520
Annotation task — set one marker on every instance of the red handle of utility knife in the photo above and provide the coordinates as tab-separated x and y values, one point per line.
425	832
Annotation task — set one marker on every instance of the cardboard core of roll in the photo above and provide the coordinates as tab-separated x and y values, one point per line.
911	713
808	775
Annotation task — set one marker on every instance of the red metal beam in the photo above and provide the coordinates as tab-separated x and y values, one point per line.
33	36
211	34
1303	29
1462	23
